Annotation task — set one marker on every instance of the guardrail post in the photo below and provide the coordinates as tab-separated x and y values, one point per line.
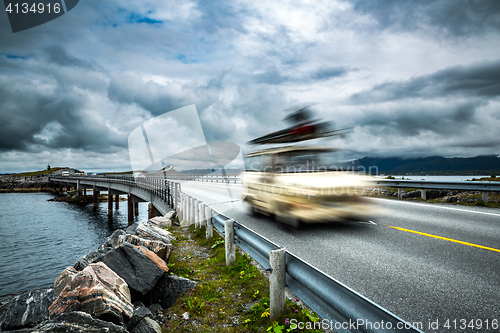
182	208
202	215
423	194
229	242
192	210
277	283
197	222
210	226
400	193
484	196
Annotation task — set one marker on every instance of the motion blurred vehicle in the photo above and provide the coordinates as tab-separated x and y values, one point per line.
303	184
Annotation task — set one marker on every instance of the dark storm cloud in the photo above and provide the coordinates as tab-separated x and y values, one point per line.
411	120
451	17
275	76
58	55
46	104
478	80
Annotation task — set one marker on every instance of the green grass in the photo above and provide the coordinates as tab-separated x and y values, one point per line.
229	298
36	173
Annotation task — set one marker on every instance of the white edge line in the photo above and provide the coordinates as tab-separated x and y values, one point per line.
439	206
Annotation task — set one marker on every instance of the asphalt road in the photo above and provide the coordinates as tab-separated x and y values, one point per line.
441	264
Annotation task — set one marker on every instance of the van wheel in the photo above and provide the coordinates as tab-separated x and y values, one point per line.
288	219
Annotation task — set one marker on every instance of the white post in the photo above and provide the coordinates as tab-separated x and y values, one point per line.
423	194
210	226
229	241
400	193
202	215
277	281
484	196
197	223
191	211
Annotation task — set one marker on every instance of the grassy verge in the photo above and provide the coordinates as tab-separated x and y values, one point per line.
228	299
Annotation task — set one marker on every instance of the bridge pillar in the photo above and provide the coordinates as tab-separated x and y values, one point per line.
110	202
400	193
94	196
130	207
78	188
484	196
136	208
423	194
117	201
60	188
84	192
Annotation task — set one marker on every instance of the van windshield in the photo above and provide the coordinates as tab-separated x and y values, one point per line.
306	160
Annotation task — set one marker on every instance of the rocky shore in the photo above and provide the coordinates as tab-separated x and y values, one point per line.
123	286
9	184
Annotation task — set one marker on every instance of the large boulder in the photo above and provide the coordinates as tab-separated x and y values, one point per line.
139	267
169	288
26	309
77	322
90	258
148	229
96	290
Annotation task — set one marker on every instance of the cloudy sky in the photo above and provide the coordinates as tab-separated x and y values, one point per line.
412	78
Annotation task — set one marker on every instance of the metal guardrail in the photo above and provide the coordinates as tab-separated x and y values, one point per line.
330	299
428	185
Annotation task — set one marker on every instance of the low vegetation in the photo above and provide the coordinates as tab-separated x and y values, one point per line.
228	299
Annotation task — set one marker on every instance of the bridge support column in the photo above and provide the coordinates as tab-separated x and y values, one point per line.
117	201
110	202
423	194
78	189
136	208
94	196
484	196
400	193
60	188
130	207
84	192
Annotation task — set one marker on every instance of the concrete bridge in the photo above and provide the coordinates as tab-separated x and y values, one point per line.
162	194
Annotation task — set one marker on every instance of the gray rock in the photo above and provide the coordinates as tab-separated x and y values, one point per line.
140	312
170	215
131	229
77	322
161	222
89	258
169	288
113	241
149	229
147	325
138	270
27	309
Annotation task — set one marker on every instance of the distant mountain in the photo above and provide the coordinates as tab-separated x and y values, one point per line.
433	164
207	171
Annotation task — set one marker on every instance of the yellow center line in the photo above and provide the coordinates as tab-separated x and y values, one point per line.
217	189
444	238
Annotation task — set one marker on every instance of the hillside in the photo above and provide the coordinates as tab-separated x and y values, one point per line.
486	164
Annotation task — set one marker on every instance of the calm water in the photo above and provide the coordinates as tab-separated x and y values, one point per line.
40	238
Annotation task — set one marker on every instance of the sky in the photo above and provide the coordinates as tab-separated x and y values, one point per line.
411	78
